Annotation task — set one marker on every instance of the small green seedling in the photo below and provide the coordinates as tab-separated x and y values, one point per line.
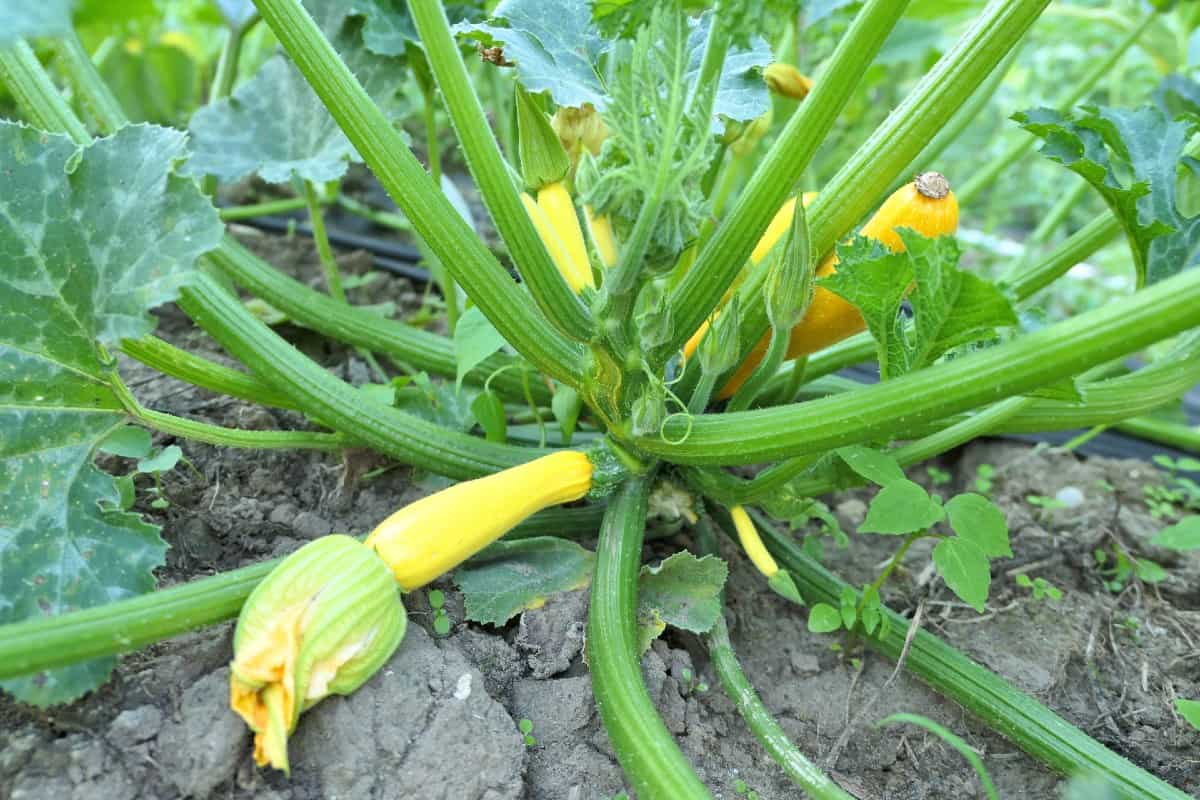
983	478
692	683
1117	566
1045	503
1042	588
525	726
441	620
742	790
938	476
1189	710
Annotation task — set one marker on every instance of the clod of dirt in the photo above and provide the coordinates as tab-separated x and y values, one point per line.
424	726
552	636
201	747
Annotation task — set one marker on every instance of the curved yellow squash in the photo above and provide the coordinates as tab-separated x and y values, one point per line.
437	533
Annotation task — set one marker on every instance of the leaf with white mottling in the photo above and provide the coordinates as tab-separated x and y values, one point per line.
22	19
90	239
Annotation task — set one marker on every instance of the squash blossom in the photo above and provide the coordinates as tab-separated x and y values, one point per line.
784	79
321	623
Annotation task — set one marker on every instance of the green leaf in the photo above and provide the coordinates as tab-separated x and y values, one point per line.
162	461
275	126
741	93
950	307
1183	535
877	467
824	618
23	19
488	409
964	568
507	578
952	739
475	338
129	441
848	607
566	405
1132	158
555	48
683	591
979	520
438	402
1189	710
90	239
1149	572
901	507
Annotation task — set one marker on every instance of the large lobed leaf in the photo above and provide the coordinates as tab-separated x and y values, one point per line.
22	19
90	239
507	578
950	307
1132	157
275	126
557	48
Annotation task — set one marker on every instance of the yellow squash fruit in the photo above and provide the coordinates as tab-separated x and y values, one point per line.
926	205
601	233
553	215
752	543
427	538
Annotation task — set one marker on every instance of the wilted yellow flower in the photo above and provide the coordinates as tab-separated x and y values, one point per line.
321	623
788	81
578	128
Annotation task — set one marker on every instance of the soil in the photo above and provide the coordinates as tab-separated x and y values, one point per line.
439	721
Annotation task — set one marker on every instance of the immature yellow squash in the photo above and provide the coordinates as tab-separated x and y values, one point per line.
927	206
553	215
427	538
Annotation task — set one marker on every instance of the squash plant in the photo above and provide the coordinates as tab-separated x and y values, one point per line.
613	215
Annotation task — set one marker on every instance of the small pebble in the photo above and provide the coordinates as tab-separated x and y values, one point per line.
1070	496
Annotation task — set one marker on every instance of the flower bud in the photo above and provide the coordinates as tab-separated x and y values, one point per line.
579	129
321	623
543	160
719	350
786	80
790	282
752	132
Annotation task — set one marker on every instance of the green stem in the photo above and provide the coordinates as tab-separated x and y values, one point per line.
36	96
333	278
887	571
487	166
434	219
335	403
215	434
725	253
891	409
988	175
77	64
433	155
234	437
652	761
170	360
281	206
362	327
1174	434
386	219
223	80
769	733
702	393
1031	726
856	187
968	113
1076	248
750	390
47	642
